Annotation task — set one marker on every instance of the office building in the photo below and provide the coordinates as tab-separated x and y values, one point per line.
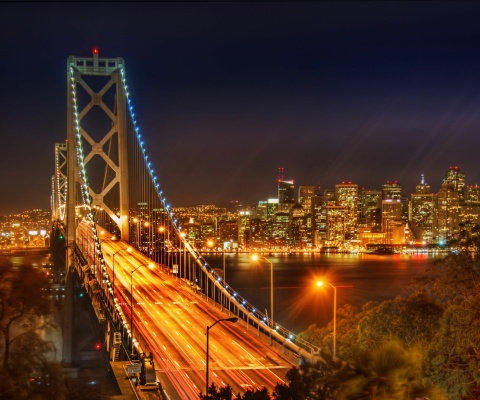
456	179
305	196
423	213
448	210
346	195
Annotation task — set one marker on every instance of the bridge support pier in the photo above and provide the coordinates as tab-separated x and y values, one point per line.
68	317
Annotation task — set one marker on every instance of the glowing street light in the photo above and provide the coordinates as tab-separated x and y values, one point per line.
182	240
232	319
320	284
161	230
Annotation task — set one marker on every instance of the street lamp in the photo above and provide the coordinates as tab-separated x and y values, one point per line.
232	319
128	249
210	244
131	296
256	257
320	284
161	231
182	240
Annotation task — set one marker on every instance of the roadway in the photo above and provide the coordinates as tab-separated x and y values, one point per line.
170	319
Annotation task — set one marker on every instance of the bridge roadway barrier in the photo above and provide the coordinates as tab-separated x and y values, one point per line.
125	382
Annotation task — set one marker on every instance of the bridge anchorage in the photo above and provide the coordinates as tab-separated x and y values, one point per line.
108	203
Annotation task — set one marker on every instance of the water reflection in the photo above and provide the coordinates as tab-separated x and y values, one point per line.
299	302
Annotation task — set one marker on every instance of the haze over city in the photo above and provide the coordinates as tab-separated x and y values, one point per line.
225	93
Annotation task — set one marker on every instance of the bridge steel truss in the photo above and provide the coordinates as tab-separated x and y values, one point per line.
59	183
130	196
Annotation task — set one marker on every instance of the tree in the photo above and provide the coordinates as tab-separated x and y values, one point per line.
450	280
454	355
23	301
216	393
24	304
413	321
386	372
256	394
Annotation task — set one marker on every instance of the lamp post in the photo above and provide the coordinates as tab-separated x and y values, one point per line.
182	239
256	257
161	231
131	297
232	319
128	249
223	254
320	283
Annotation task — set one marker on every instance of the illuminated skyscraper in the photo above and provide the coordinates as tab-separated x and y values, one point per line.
393	190
470	210
346	195
305	195
320	204
472	194
336	225
370	209
300	226
448	213
286	192
456	178
391	218
423	215
244	227
423	187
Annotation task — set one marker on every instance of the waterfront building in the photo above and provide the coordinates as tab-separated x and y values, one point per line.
393	190
391	219
366	236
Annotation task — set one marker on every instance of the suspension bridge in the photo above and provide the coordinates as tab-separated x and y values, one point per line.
153	292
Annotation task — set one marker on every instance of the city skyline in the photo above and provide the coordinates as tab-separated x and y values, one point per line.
226	93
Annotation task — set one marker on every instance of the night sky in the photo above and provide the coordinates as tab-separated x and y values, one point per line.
225	93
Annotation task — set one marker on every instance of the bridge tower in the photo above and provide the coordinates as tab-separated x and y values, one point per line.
97	125
108	148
